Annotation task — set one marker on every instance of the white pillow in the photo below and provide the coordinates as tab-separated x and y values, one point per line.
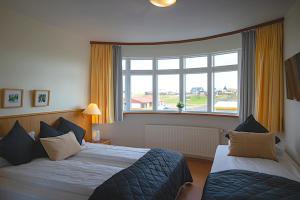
83	142
32	135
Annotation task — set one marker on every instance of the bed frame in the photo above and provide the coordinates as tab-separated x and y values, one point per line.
31	122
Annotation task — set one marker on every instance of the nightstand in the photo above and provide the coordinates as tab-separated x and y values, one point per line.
103	141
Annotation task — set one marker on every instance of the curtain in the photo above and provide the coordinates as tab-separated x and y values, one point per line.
102	89
118	82
247	93
269	76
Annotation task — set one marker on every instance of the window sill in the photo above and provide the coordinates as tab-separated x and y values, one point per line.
183	113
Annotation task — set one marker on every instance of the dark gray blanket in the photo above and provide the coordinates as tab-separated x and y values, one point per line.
246	185
157	175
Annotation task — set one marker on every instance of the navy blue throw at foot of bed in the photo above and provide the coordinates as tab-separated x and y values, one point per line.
157	175
247	185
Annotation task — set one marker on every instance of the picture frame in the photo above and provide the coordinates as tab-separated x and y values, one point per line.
11	98
41	98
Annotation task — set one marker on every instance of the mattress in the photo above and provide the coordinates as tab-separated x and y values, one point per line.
284	167
73	178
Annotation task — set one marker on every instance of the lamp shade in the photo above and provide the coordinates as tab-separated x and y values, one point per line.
163	3
92	109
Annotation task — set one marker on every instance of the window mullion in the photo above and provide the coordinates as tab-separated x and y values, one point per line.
209	84
154	85
128	85
181	80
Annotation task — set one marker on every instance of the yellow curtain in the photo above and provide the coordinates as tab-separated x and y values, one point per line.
102	81
269	76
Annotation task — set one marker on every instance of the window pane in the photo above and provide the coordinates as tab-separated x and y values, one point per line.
141	64
168	64
123	64
196	62
226	92
124	95
141	93
226	59
168	92
196	92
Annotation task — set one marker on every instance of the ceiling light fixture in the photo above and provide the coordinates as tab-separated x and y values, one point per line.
163	3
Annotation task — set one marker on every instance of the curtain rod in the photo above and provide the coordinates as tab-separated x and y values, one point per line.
192	40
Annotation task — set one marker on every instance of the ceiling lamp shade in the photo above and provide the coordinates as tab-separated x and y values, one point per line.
92	109
163	3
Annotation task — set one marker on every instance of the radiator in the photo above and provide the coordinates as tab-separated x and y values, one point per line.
193	141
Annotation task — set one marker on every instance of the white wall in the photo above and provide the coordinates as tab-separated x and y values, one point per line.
37	56
201	47
292	108
131	131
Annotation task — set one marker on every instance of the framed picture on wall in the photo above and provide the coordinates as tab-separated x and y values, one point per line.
41	98
12	98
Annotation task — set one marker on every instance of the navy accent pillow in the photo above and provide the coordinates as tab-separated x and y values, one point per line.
38	150
16	147
66	126
251	125
48	131
45	132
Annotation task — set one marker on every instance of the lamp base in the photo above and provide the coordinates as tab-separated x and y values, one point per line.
96	137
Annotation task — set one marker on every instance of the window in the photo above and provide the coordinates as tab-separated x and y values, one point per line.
196	92
168	64
141	64
204	83
141	93
226	59
225	92
168	92
124	94
196	62
123	64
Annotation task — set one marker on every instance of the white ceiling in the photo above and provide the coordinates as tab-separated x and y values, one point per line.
139	21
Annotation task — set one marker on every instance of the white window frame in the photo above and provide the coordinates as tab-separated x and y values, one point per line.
182	71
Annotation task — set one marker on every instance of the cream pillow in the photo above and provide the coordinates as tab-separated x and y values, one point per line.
253	145
61	147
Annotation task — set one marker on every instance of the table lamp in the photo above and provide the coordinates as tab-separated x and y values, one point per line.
93	110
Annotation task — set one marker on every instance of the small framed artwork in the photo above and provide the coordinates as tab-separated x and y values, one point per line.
41	98
12	98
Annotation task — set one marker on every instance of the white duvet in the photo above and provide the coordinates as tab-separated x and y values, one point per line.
285	167
73	178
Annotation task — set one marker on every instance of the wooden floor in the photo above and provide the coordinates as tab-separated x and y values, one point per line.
199	169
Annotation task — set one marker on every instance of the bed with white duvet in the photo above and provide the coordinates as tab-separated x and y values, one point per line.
284	167
239	178
72	179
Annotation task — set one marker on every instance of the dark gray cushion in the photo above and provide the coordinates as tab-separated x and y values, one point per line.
17	146
251	125
66	126
48	131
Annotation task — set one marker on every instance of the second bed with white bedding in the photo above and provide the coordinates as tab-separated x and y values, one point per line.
284	167
73	178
